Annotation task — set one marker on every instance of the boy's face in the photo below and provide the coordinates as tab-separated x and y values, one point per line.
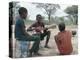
39	19
24	15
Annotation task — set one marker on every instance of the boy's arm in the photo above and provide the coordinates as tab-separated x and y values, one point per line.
31	27
44	28
29	37
23	29
58	42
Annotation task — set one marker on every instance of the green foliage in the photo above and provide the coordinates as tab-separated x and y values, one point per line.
73	10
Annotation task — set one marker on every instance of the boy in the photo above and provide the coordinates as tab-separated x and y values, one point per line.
39	29
63	40
20	33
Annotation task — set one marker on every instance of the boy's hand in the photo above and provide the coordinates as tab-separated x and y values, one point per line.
46	29
55	37
38	29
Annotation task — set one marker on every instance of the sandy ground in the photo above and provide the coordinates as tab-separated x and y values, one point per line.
52	51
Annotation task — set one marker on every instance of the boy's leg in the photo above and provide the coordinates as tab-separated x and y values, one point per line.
46	33
33	38
35	46
47	38
24	48
27	39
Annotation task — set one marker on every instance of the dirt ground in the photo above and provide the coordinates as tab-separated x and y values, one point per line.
52	51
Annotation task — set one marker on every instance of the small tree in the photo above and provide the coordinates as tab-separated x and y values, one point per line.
62	19
48	8
73	11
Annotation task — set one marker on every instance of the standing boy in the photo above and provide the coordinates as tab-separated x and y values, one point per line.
20	33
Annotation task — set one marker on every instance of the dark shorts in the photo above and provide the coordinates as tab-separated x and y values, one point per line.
34	37
42	35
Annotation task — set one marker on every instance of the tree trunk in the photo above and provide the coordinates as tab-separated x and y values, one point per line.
49	18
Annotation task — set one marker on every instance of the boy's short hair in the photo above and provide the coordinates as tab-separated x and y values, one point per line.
21	10
39	16
61	26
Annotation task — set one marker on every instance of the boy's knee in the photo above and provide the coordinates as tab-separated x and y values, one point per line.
37	38
48	32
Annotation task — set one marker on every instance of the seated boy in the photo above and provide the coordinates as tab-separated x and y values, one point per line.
63	40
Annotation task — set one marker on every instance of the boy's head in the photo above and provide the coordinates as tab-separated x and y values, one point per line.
39	18
61	27
23	12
